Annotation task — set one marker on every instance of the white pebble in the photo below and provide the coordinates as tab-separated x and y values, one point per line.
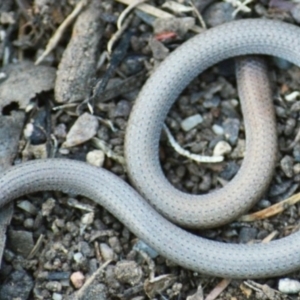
88	218
289	286
78	257
57	296
222	148
292	96
218	130
77	279
95	158
191	122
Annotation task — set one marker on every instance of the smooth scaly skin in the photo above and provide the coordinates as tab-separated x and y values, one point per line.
190	251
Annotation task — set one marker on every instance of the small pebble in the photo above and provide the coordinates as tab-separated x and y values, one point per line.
289	286
122	109
133	64
280	111
159	50
47	207
218	13
212	102
296	168
84	128
292	96
230	170
231	130
289	126
295	107
78	257
27	206
106	252
286	165
60	131
53	286
264	203
281	63
56	296
142	246
20	241
247	234
77	279
222	148
128	272
217	129
28	223
296	152
295	12
115	244
239	150
191	122
95	158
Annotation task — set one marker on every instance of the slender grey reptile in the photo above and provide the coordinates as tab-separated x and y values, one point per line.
141	149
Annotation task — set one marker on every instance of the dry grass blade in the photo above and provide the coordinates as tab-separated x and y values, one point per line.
61	29
219	288
272	210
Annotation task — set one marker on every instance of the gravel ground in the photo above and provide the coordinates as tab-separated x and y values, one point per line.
65	247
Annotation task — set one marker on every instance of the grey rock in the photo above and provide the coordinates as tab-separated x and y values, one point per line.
106	252
47	206
133	64
247	234
57	296
264	203
231	130
280	111
228	109
295	12
17	286
20	241
289	126
142	246
218	13
282	63
262	234
229	171
286	165
212	102
217	129
54	286
205	184
23	81
27	206
85	249
191	122
278	189
239	150
123	109
95	291
84	128
159	50
296	152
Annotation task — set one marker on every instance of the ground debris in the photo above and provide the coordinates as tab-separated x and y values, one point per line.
77	68
23	81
